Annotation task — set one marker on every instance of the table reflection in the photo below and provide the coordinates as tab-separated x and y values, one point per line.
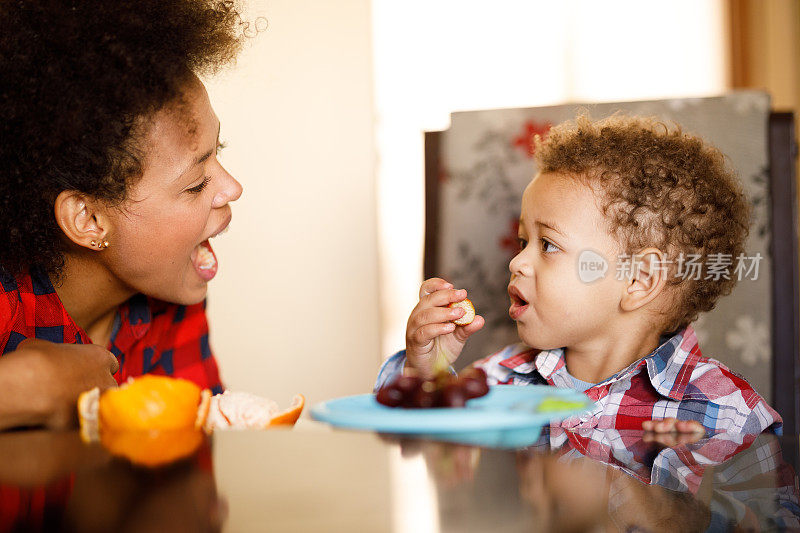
52	481
560	481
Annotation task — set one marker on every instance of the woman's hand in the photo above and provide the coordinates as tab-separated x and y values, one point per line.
41	382
433	341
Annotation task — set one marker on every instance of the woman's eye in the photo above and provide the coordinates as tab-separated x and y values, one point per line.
548	247
197	189
521	243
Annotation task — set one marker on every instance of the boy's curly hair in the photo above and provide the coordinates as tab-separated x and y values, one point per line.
76	77
657	187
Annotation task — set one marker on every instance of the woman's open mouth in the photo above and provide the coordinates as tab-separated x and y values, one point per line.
518	303
203	257
205	261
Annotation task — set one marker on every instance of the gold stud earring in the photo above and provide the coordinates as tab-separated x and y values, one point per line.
93	243
103	245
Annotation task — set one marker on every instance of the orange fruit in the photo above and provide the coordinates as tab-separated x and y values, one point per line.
145	403
150	402
153	448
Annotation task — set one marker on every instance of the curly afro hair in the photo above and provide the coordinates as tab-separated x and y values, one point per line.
77	77
657	187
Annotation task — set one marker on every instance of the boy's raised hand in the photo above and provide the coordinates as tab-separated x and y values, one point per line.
42	380
430	333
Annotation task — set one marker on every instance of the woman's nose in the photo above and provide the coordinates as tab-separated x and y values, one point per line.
230	191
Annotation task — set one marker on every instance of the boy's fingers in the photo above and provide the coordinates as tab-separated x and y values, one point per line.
425	335
432	285
463	332
668	425
666	440
433	315
690	426
659	426
443	297
689	438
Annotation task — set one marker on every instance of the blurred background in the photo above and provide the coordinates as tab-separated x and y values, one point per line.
324	117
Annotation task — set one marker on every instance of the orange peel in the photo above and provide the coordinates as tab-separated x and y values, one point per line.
288	417
242	410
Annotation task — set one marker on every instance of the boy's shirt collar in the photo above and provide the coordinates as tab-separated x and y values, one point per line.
669	367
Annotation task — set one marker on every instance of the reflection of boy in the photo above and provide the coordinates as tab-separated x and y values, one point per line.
741	478
620	187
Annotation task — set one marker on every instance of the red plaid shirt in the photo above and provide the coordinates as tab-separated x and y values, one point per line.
675	380
148	336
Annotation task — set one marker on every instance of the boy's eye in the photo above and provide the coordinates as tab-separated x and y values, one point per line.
552	247
521	243
197	189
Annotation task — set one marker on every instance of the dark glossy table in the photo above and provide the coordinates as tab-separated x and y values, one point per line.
313	478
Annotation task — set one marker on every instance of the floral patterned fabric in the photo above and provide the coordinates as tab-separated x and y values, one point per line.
486	162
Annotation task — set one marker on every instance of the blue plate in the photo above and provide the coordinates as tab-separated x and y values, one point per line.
505	407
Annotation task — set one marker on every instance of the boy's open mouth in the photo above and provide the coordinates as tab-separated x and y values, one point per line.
518	303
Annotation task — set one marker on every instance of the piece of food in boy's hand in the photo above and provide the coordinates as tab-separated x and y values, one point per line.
443	390
469	312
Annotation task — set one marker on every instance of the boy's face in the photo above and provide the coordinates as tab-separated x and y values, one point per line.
180	201
554	304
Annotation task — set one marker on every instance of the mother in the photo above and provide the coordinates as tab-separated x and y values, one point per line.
110	188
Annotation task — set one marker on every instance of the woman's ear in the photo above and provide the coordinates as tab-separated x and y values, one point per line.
647	280
82	220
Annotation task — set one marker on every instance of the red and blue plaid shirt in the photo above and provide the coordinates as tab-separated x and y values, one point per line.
675	380
148	336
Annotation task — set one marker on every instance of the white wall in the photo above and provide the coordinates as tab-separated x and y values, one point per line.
294	307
